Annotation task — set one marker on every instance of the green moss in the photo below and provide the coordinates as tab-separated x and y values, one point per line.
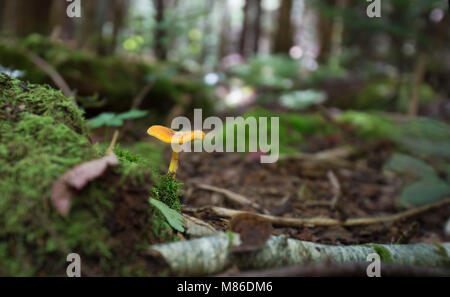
383	252
42	135
441	251
168	190
294	128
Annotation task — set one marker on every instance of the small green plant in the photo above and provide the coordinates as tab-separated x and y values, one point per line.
172	216
165	198
111	119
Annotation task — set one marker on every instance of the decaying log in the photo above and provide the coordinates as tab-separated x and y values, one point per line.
351	269
210	255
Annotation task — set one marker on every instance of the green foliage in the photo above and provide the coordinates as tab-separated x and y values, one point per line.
275	71
172	216
115	120
302	99
422	136
109	81
407	165
385	255
293	128
424	191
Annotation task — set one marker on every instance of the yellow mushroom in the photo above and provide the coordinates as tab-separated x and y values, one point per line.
170	136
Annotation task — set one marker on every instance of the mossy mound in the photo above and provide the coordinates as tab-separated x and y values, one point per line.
115	80
42	135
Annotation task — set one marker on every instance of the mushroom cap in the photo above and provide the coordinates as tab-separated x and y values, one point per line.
168	135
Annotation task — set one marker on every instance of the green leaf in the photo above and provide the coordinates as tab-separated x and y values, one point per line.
132	114
101	120
173	217
424	191
405	164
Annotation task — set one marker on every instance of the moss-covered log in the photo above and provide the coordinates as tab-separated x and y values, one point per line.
116	80
42	135
210	255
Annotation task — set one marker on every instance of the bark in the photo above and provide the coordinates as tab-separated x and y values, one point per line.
244	32
23	17
224	43
210	255
257	26
284	35
160	33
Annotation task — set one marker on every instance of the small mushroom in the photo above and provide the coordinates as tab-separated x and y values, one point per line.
170	136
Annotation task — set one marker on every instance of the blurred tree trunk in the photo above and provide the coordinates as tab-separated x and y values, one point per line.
62	26
119	12
244	31
257	26
325	30
284	34
94	17
224	43
251	28
160	33
23	17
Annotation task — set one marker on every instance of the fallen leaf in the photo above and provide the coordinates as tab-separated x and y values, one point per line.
76	178
254	231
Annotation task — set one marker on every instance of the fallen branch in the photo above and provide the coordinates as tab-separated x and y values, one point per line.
322	221
211	255
234	197
51	72
351	269
326	155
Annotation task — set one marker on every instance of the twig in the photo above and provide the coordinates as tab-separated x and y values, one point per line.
50	71
113	142
234	197
137	101
336	188
326	155
322	221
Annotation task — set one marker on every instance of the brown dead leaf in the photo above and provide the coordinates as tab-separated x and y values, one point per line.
76	178
253	230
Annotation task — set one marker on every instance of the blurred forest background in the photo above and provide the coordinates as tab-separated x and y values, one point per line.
271	51
335	77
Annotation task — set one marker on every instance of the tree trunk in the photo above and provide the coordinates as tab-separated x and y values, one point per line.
251	28
23	17
257	26
284	34
244	32
224	42
160	32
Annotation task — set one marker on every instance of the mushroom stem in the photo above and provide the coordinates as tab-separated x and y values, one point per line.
173	163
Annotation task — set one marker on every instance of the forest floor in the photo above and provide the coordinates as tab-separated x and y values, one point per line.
339	188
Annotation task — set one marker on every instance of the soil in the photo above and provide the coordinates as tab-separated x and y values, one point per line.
302	188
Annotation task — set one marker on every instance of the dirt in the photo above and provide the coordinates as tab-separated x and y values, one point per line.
302	188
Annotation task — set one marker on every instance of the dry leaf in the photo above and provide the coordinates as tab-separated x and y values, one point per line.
254	231
76	178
